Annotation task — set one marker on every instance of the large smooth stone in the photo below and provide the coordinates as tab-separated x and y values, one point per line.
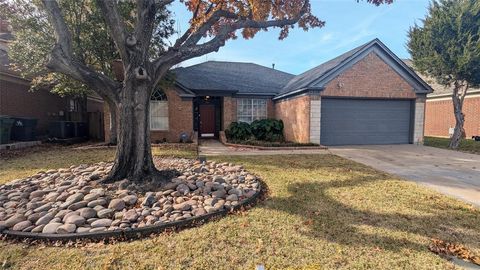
22	225
105	213
45	219
74	198
104	222
97	202
77	205
75	219
12	221
130	215
130	199
117	204
87	212
66	228
51	227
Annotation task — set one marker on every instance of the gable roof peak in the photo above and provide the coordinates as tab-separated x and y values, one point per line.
317	77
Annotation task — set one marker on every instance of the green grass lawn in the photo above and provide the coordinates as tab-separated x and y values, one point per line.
323	212
466	145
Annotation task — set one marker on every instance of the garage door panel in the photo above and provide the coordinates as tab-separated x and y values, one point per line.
356	121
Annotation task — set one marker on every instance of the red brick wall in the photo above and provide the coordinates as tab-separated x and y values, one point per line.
439	116
295	113
370	77
270	109
180	118
17	100
229	111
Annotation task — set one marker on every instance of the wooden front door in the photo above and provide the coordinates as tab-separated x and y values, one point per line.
207	120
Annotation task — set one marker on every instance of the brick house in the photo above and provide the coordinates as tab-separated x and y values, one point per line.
364	96
439	117
17	100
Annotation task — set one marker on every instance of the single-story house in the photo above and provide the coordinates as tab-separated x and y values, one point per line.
17	100
364	96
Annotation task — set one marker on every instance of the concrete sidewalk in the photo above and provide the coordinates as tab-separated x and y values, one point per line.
216	148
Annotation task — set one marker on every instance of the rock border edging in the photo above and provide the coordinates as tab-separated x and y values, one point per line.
136	233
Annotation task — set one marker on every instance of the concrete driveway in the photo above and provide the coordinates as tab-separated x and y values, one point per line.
453	173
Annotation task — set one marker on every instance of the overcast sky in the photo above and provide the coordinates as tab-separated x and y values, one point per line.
348	24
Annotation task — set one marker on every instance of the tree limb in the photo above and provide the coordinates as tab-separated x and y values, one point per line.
146	10
116	24
161	3
62	34
62	59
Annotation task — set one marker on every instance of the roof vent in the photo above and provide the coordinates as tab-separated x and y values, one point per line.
273	65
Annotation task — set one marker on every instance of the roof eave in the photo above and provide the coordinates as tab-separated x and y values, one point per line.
298	92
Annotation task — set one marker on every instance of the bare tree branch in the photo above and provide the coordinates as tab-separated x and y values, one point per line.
116	24
62	34
146	10
186	46
63	61
161	3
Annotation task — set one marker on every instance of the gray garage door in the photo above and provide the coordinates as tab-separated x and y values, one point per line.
364	121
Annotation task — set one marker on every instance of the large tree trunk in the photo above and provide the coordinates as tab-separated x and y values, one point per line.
133	160
459	92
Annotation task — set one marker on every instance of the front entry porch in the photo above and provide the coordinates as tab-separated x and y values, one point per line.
207	116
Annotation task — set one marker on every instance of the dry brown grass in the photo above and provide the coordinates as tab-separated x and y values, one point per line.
324	212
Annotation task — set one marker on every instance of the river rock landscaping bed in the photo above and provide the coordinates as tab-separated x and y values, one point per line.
73	201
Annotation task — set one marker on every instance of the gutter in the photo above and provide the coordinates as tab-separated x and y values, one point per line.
299	91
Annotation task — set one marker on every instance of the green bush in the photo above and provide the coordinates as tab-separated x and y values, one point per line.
270	130
239	131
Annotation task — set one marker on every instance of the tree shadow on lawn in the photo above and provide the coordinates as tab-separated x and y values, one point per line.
346	212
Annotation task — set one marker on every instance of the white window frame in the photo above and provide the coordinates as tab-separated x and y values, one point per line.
156	101
256	109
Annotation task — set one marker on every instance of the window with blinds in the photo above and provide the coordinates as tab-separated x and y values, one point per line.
249	110
158	111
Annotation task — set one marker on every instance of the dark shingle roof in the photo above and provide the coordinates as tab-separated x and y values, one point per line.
242	78
305	79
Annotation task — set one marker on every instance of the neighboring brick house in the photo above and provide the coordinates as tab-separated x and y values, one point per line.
439	117
365	96
17	100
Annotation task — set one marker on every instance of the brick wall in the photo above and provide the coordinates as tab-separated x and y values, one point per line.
439	116
17	100
180	118
370	77
229	111
295	113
